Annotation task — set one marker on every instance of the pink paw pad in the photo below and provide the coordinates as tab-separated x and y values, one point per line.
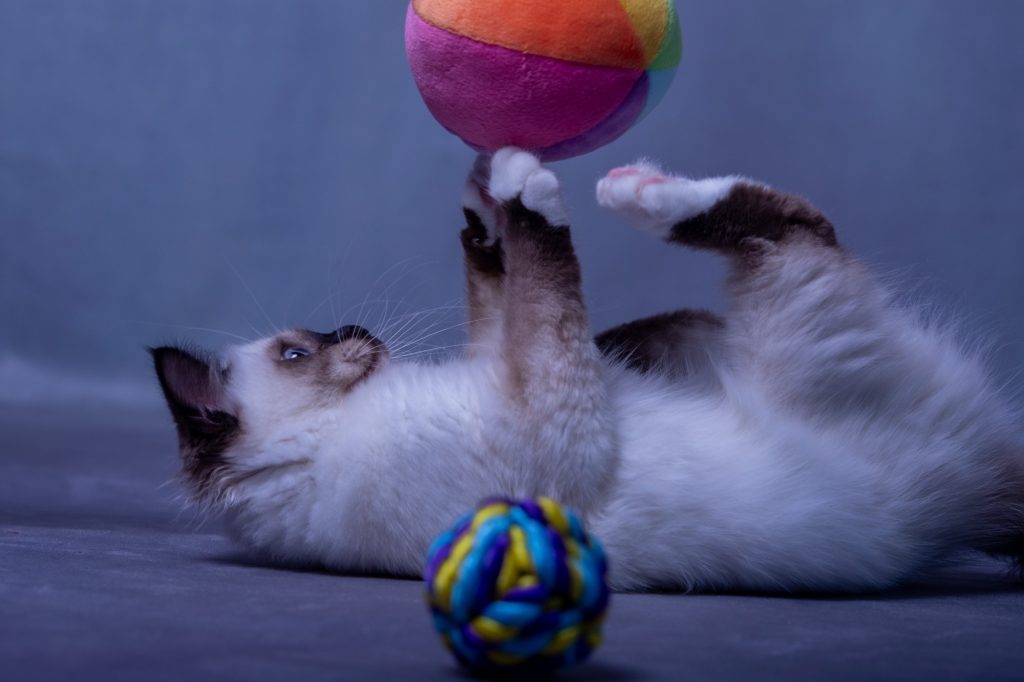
653	180
624	172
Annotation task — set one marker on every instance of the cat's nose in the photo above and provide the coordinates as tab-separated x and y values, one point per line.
349	331
352	331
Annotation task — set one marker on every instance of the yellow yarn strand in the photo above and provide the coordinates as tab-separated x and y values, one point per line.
488	513
554	515
492	630
575	582
508	576
445	579
562	640
502	658
518	550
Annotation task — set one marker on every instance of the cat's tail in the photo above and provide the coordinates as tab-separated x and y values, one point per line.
1010	547
1006	539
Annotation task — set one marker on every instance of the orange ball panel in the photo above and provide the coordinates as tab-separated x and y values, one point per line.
594	32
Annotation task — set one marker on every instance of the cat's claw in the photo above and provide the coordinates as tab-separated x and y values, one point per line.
651	200
518	174
476	198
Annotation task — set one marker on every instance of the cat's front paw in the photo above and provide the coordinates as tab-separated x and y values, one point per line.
516	174
654	201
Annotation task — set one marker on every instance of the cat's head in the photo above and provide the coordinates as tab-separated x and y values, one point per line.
227	409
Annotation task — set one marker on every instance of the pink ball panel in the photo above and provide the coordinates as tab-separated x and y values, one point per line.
608	130
491	96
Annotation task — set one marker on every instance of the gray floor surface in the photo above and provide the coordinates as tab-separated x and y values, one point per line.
103	575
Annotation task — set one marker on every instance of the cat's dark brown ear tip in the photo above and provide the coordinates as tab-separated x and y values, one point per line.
188	379
194	391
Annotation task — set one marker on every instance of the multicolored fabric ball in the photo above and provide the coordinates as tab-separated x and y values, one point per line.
518	584
558	77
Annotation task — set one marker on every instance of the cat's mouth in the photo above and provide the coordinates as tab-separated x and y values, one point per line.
376	353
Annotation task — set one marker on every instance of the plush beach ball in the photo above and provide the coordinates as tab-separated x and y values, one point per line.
557	77
517	584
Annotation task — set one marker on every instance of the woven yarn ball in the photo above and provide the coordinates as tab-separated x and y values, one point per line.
558	77
517	584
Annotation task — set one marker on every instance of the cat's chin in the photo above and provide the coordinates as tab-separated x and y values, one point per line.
377	361
375	364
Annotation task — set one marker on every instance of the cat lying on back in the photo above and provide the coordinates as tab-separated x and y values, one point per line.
816	436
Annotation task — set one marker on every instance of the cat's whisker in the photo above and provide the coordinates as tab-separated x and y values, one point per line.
360	318
430	311
409	347
408	325
434	350
384	316
396	339
420	336
387	271
252	295
430	332
257	332
437	310
210	330
393	324
423	337
409	319
316	309
438	349
330	294
406	273
366	302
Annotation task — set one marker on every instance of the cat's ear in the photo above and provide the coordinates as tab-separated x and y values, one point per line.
195	394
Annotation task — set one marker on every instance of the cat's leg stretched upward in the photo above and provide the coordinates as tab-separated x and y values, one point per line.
528	317
807	321
484	261
810	329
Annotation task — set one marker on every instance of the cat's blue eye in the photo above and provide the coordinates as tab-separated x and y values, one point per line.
294	353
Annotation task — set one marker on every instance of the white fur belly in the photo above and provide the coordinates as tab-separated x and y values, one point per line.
717	493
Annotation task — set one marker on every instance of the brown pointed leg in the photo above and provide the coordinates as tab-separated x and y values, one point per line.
806	319
484	263
731	215
679	344
752	211
554	380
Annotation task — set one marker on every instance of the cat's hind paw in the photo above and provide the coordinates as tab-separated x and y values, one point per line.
518	174
653	201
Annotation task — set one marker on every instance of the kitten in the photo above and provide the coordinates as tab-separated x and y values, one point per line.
815	437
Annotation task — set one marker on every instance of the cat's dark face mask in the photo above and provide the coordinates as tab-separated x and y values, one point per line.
333	361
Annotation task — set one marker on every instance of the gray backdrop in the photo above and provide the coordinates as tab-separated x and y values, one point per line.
238	164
